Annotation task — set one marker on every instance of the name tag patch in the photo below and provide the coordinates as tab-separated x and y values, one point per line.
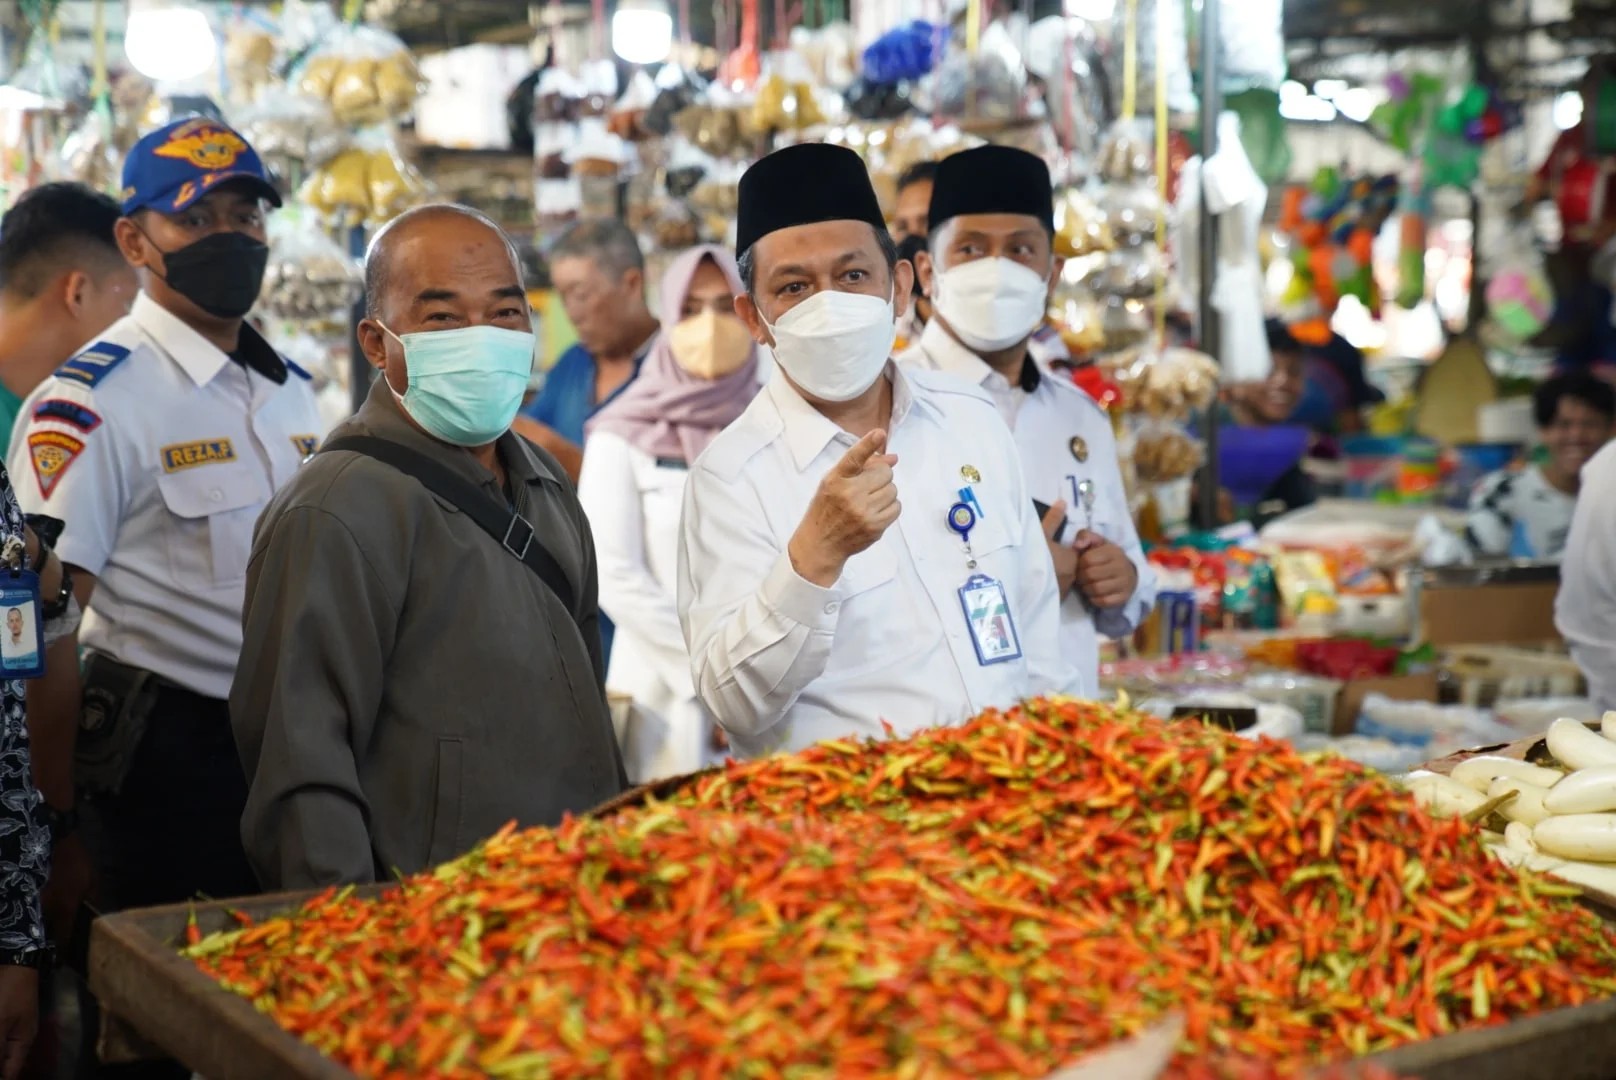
67	412
306	444
52	452
203	452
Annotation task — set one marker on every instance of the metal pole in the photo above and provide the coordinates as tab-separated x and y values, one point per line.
1211	108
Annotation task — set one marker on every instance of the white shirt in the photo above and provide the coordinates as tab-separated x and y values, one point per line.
633	502
159	452
1585	609
783	663
1519	514
1054	423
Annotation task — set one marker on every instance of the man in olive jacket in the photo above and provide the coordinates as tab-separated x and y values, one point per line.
407	684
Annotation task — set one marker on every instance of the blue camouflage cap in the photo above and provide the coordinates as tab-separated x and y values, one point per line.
177	164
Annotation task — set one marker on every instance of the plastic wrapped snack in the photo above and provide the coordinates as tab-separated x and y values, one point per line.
1169	384
366	75
1080	226
1164	451
309	277
365	183
249	56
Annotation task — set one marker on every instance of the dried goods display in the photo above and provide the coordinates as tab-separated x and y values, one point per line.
989	900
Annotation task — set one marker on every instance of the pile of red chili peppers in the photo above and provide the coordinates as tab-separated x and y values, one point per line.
990	900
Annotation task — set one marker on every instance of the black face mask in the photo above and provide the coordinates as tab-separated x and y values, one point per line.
220	273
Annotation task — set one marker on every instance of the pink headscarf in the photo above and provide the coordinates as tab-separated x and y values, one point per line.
666	411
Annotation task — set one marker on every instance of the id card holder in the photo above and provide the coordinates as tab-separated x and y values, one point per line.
987	616
22	631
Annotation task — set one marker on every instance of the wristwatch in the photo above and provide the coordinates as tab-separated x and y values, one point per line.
61	823
57	606
38	959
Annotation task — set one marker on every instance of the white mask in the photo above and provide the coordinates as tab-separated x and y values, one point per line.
991	303
834	344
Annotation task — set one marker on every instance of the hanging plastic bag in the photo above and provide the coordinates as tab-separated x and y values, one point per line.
309	277
366	75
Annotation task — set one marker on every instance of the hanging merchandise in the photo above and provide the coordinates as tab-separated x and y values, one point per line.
1519	297
250	52
309	278
785	96
1333	225
1404	118
1263	133
369	183
830	51
905	54
985	86
1414	211
1238	197
367	76
293	133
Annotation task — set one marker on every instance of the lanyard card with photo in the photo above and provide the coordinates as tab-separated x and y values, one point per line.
22	631
987	614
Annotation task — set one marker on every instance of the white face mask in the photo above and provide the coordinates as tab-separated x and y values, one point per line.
991	303
834	344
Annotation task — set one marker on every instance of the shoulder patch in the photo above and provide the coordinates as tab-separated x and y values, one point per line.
295	370
67	412
51	453
91	366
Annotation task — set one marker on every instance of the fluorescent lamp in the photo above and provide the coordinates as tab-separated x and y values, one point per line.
169	44
1330	89
642	32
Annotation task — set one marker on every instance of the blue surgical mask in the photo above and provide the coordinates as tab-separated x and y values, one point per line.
466	385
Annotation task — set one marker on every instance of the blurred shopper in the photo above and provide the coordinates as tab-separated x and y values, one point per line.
910	219
62	282
422	660
699	377
599	273
1526	513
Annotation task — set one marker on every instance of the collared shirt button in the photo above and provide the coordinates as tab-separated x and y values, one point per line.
832	608
216	495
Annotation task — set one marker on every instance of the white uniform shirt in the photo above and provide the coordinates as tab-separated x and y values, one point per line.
159	452
1055	423
1585	610
633	502
783	663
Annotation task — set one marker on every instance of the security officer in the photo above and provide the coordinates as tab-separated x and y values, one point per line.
859	547
989	270
159	445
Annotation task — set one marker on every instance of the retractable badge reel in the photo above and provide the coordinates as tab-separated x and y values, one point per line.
987	612
22	630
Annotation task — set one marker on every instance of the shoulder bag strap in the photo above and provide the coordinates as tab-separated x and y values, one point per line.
510	529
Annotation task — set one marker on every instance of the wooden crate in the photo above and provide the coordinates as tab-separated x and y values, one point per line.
142	980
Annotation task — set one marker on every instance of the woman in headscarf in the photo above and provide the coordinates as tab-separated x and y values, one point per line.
701	373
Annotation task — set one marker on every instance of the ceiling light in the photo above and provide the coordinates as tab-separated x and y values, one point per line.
169	44
642	31
1330	89
1356	104
1568	110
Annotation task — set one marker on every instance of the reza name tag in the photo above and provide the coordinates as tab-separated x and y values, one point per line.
987	615
22	631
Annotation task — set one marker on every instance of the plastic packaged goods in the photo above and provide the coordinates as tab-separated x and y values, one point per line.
365	74
287	128
309	278
369	182
1163	451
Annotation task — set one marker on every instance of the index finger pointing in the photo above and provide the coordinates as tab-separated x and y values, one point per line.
854	460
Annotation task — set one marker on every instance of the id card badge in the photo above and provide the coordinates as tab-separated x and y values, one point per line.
987	614
22	631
